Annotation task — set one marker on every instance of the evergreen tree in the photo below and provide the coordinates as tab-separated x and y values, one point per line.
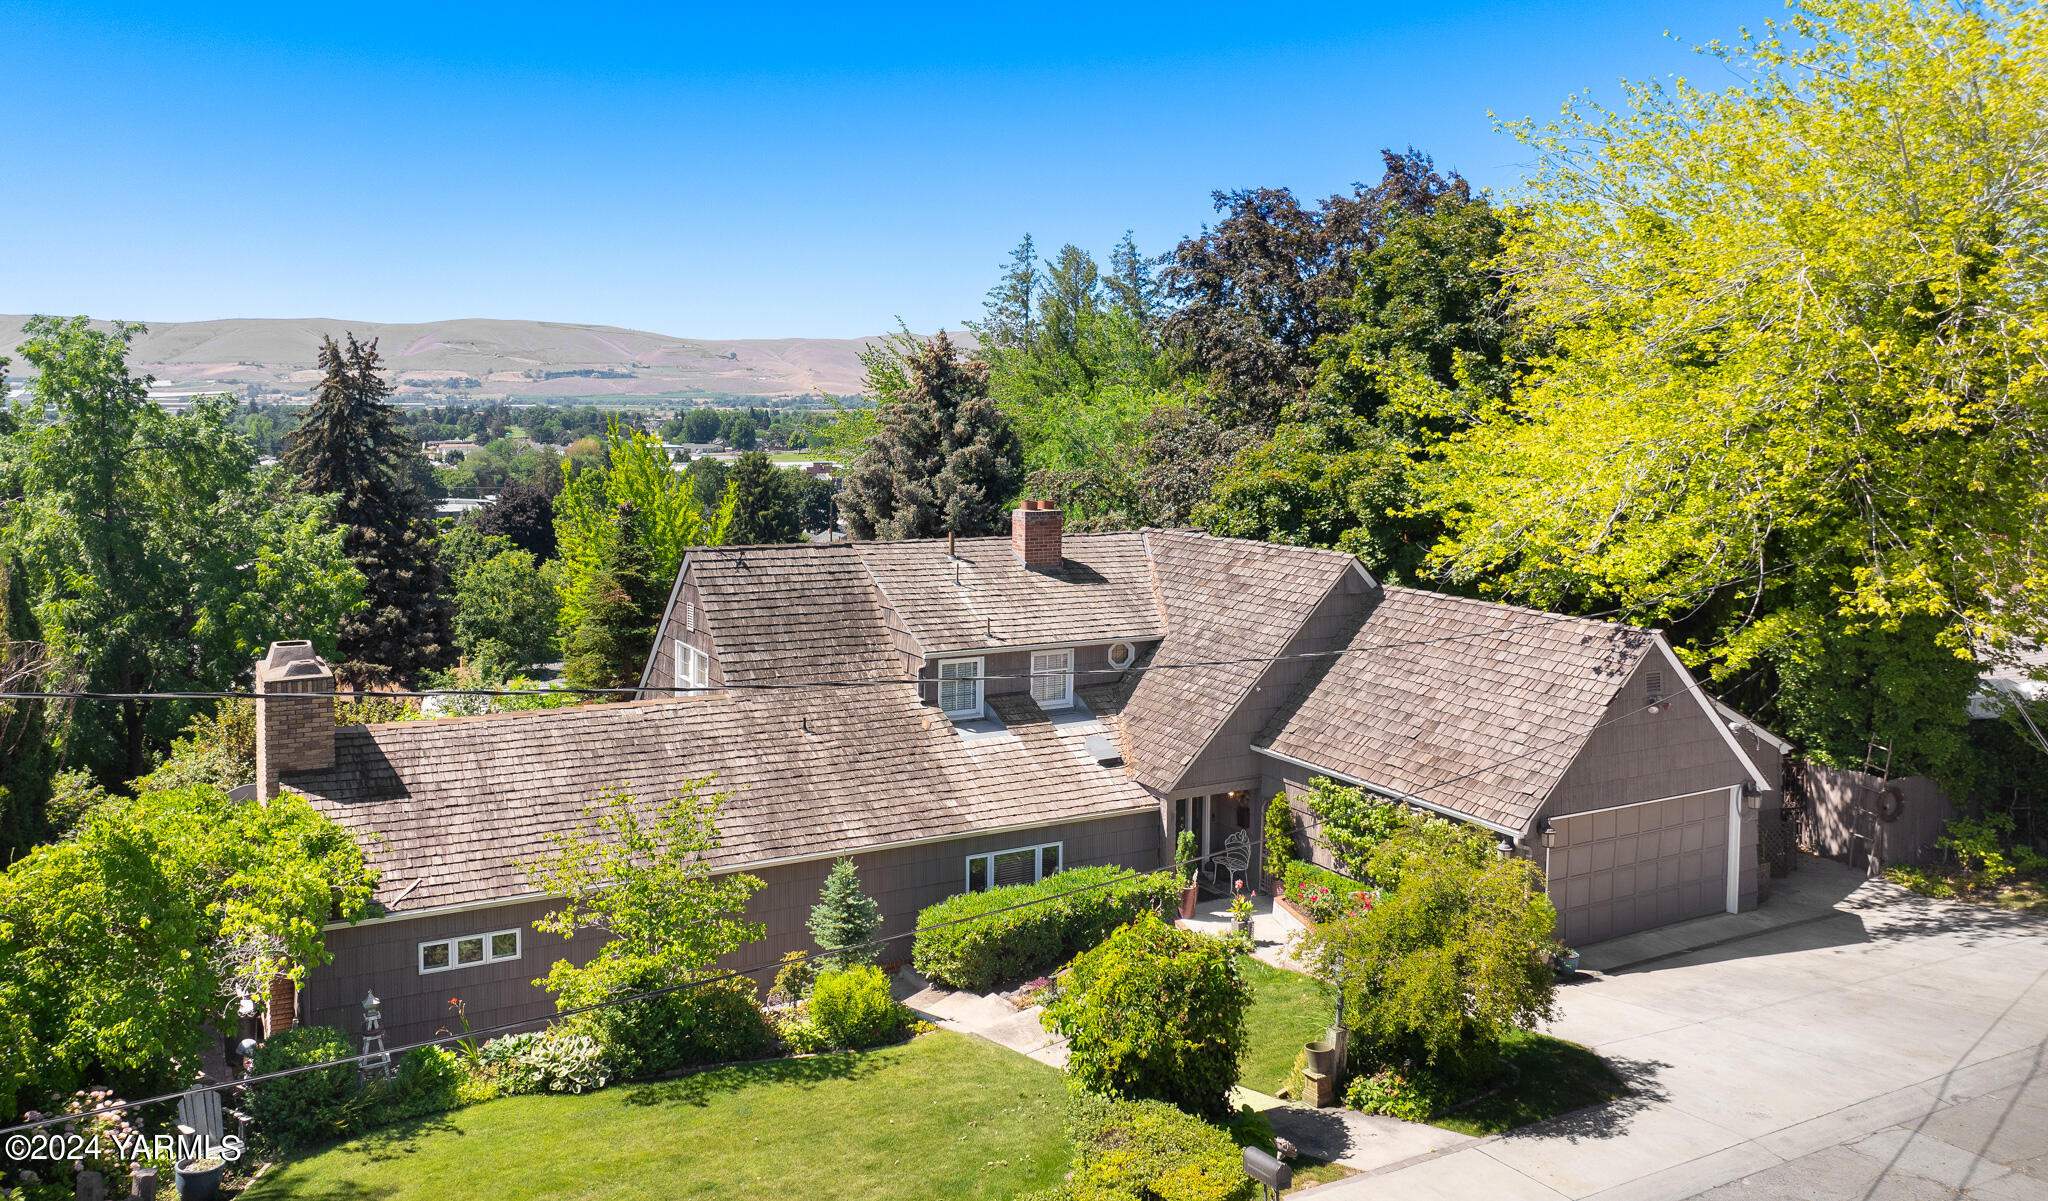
1133	280
764	510
944	460
350	444
1010	317
524	514
622	603
845	917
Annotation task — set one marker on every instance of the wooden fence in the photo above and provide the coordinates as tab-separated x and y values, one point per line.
1851	815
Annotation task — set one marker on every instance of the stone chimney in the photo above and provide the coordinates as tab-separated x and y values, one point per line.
1035	534
292	734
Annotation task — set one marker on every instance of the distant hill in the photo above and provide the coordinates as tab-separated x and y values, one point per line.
514	361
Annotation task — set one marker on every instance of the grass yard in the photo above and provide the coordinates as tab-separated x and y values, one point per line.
1556	1077
942	1116
1288	1010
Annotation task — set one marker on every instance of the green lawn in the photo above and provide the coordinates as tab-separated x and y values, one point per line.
942	1116
1288	1010
1556	1077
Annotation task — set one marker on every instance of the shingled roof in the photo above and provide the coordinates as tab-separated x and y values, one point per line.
985	599
793	614
454	803
1474	706
1229	602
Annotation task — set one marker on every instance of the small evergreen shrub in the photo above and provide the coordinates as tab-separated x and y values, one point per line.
845	917
1155	1013
292	1113
977	955
852	1008
1134	1150
710	1023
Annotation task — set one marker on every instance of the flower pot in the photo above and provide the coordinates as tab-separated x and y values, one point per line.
1322	1059
1241	926
1188	901
1567	964
197	1182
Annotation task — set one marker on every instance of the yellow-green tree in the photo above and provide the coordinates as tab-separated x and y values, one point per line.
1799	329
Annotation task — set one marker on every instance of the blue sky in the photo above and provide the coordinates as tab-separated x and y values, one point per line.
739	171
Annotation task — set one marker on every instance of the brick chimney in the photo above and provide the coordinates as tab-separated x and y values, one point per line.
1035	534
292	734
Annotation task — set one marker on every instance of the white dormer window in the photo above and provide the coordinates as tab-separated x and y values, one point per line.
960	688
1052	679
693	667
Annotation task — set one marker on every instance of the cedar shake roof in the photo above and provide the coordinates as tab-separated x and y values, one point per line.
1100	593
1432	719
1227	600
792	614
451	804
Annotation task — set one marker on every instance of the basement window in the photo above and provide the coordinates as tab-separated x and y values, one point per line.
468	950
1019	865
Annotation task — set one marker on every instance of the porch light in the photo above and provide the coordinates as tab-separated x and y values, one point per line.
1549	836
1752	798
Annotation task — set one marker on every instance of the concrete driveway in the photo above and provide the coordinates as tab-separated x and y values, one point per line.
1847	1040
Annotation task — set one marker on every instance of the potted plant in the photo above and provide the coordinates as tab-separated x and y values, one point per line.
1567	963
1184	868
199	1179
1241	912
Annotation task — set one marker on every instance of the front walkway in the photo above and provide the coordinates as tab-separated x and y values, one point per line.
1848	1040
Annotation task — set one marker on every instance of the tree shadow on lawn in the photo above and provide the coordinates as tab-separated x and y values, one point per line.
401	1139
700	1087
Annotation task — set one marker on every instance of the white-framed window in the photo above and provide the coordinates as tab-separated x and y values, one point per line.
1121	654
1018	865
693	667
960	687
1052	679
468	950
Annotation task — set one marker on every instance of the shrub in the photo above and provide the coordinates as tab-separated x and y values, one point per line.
1155	1013
845	917
1324	895
976	955
852	1008
793	982
304	1110
1409	1094
1279	837
429	1080
1442	968
710	1023
561	1059
1128	1150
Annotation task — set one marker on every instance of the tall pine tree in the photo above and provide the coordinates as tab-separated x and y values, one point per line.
621	604
945	460
350	444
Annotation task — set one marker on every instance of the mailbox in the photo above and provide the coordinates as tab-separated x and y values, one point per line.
1277	1177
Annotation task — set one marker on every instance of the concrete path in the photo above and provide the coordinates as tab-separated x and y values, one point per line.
1853	1041
990	1017
1273	929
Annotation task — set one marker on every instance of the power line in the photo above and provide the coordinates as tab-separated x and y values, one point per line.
886	682
507	1027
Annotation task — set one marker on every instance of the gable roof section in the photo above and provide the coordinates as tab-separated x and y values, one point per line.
987	600
1466	705
452	804
1226	600
791	615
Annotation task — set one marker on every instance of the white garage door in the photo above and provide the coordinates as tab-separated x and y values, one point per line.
1627	869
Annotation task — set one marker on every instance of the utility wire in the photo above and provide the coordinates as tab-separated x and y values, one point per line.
807	685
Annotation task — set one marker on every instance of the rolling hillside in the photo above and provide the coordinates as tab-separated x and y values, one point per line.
519	361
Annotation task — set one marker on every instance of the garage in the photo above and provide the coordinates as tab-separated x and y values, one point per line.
1615	871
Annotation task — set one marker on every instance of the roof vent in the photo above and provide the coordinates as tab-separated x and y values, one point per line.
1103	751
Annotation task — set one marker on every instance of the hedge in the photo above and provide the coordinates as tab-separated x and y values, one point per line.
307	1109
977	955
709	1023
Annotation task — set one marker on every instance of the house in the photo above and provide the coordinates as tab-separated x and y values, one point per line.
965	713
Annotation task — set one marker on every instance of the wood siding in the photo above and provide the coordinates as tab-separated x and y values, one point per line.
1636	756
383	955
1008	672
662	672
